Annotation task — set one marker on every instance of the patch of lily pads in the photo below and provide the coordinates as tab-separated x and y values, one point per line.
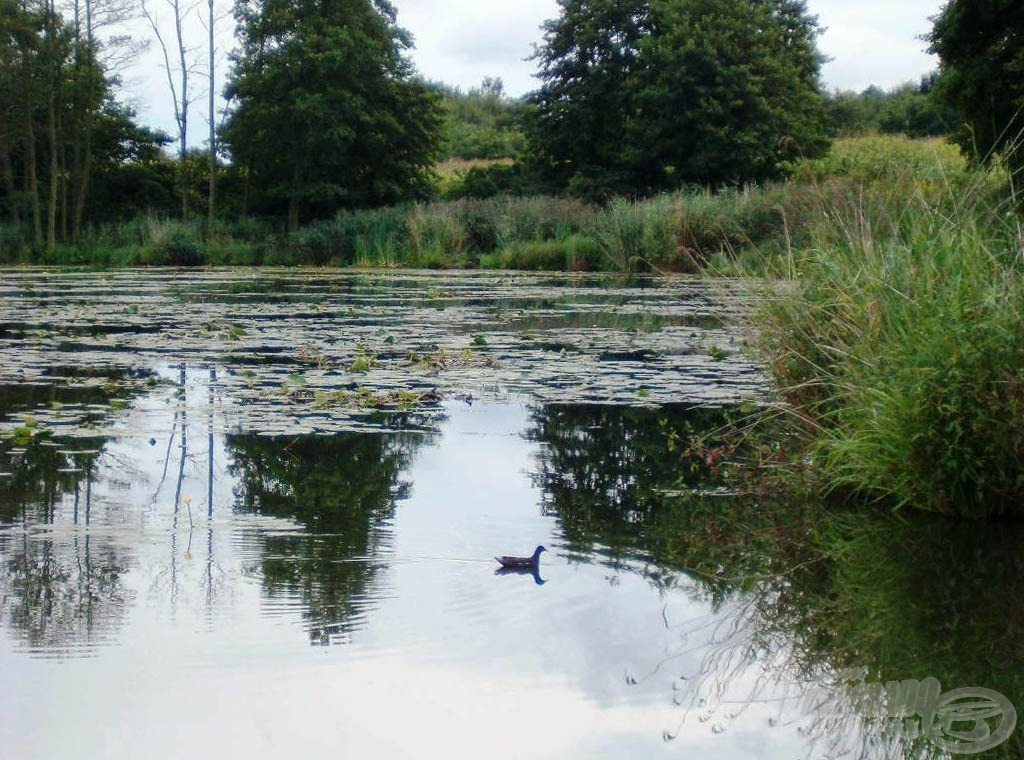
296	351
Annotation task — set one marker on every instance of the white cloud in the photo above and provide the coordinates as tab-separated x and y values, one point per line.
874	42
461	41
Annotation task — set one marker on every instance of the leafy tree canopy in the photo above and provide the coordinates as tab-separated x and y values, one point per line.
481	123
911	109
326	111
645	96
981	55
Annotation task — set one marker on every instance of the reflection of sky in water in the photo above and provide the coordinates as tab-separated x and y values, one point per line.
447	659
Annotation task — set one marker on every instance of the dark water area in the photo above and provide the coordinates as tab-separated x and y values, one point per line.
198	562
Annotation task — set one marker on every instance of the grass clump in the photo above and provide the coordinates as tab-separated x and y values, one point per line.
576	253
879	157
900	342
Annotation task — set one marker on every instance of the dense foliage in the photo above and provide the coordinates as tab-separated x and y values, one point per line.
981	54
325	111
900	343
63	138
914	110
481	123
645	96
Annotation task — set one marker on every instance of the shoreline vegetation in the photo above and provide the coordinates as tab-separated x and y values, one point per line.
746	230
898	349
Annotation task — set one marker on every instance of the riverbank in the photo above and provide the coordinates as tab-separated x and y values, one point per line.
898	349
686	231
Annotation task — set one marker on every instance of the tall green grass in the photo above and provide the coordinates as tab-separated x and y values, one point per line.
899	339
675	232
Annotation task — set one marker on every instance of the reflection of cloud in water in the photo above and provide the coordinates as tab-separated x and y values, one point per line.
386	706
385	544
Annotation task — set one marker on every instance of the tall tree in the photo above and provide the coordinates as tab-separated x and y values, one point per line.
52	46
94	57
325	110
729	92
211	200
588	64
669	92
55	108
981	57
21	33
180	90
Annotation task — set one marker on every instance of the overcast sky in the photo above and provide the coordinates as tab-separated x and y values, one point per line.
462	41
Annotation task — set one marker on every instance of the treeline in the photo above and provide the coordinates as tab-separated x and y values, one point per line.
482	123
914	110
68	151
326	113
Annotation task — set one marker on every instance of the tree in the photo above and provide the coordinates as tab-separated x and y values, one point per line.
481	123
94	57
181	98
916	111
654	95
20	74
910	109
981	58
588	65
211	209
58	120
325	111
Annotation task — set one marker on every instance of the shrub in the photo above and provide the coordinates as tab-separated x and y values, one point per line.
179	250
900	343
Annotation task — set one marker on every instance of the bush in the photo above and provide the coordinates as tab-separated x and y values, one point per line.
181	251
901	345
489	181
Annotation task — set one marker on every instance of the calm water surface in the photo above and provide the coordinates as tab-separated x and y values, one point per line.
200	562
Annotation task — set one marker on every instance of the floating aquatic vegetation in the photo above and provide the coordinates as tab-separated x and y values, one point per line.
293	351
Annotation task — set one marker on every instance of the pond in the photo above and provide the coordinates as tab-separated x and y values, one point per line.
255	514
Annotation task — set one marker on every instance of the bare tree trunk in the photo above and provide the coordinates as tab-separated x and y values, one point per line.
82	190
51	212
293	214
293	201
8	176
83	159
245	189
32	178
183	123
64	187
211	211
51	208
180	100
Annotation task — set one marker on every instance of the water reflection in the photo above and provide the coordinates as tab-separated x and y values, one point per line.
802	592
673	599
533	572
60	585
342	490
654	486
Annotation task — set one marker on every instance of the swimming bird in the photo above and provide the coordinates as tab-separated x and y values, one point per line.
522	561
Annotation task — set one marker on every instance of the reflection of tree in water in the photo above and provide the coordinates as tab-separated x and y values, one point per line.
59	588
915	597
804	588
343	489
628	483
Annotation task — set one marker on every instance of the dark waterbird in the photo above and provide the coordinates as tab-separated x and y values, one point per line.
522	562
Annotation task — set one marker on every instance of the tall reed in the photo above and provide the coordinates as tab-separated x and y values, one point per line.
900	341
